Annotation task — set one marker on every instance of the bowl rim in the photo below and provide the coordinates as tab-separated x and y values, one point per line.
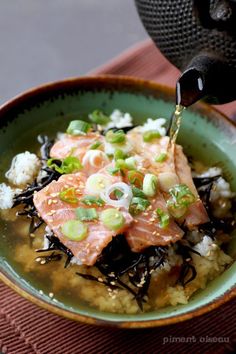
133	83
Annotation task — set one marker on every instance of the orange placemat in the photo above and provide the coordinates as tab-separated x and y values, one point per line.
26	329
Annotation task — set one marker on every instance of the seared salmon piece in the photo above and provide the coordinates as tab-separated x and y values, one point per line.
146	231
56	212
79	146
70	145
175	164
197	214
151	150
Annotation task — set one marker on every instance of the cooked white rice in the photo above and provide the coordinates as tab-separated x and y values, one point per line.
154	124
221	187
7	195
24	168
119	120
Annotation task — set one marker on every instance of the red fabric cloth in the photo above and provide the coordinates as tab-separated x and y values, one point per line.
26	329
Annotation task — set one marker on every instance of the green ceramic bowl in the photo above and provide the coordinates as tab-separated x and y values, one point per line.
205	134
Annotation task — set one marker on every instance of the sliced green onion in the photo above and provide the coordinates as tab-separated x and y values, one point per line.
78	127
86	214
176	210
96	145
119	155
164	218
113	170
130	163
151	135
161	158
69	165
182	197
91	200
150	185
120	164
138	205
69	196
137	192
136	178
113	219
55	164
74	230
98	117
97	183
117	137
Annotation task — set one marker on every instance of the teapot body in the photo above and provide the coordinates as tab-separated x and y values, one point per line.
185	30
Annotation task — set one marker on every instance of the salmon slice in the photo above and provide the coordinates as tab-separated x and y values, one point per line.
196	214
79	146
56	212
151	150
176	163
145	230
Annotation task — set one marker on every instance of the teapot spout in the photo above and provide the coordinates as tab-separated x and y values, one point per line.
206	77
190	87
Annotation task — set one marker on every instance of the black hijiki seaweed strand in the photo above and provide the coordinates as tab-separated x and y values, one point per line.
125	129
25	198
204	187
187	271
49	258
56	245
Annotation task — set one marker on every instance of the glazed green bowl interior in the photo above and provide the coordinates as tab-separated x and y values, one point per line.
205	134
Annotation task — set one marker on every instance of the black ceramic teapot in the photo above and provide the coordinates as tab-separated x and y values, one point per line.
199	37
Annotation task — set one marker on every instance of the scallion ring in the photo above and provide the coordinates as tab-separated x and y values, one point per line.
68	196
150	185
78	127
92	200
113	219
86	214
69	165
97	183
150	135
138	205
161	158
130	163
117	137
136	178
164	218
98	117
119	155
95	145
74	230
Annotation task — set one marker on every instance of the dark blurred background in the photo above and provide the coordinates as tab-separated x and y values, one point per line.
45	40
